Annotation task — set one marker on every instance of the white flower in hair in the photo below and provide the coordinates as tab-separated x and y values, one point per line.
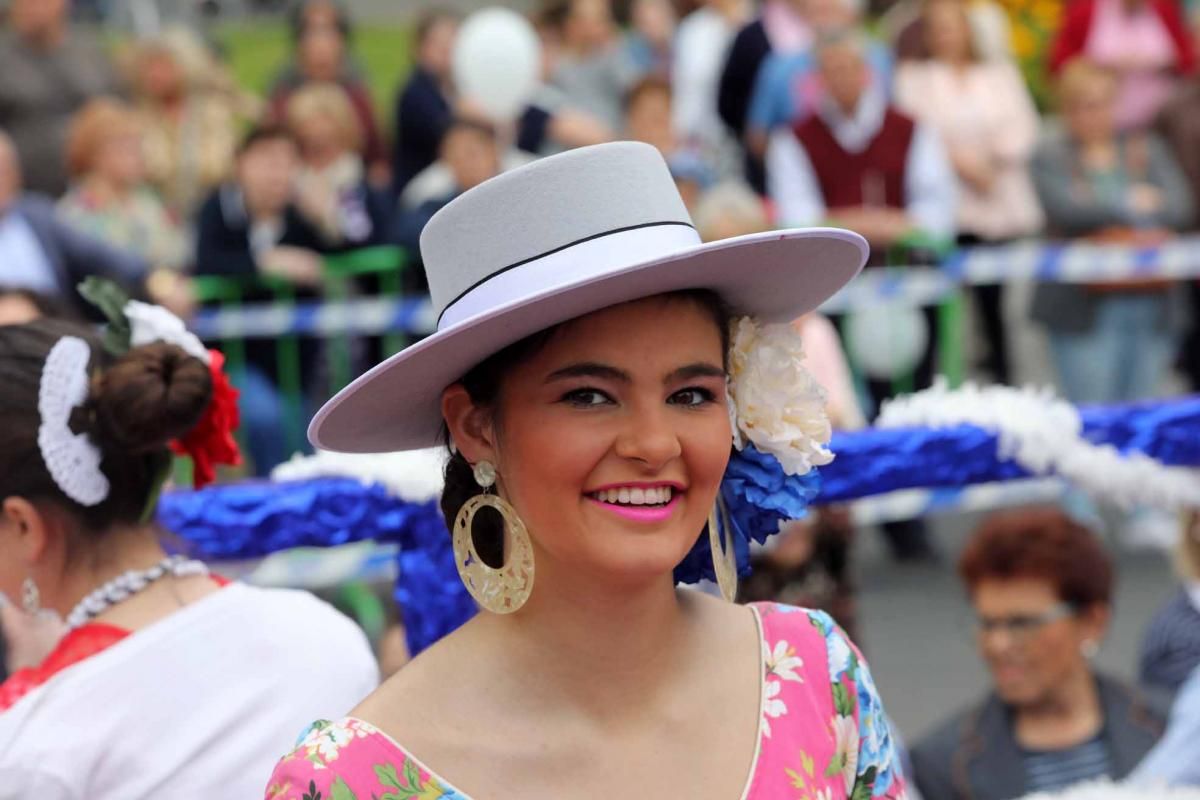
72	460
149	324
777	403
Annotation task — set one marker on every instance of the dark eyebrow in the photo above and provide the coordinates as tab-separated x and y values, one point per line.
698	370
589	369
592	369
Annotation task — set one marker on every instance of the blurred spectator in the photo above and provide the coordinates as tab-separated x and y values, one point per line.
42	253
251	227
1111	343
905	25
779	27
424	104
648	115
592	69
109	198
19	306
470	154
190	112
1145	43
322	57
650	42
553	121
1041	588
987	120
701	46
1179	124
1171	645
788	87
1173	760
648	118
49	71
331	186
858	161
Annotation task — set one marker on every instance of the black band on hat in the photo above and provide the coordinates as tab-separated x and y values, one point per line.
558	249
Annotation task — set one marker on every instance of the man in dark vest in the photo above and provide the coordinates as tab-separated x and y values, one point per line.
858	163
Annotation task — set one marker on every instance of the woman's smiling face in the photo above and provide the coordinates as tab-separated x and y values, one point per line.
611	439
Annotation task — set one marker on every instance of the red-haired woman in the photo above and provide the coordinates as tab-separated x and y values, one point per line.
1041	587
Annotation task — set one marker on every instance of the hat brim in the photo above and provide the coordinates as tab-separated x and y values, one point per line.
775	277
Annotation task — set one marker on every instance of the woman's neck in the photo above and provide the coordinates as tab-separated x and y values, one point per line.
621	642
132	548
1070	715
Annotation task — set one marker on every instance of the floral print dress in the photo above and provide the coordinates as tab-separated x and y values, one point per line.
823	733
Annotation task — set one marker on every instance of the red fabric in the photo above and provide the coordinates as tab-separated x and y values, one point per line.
211	442
1072	36
842	175
78	645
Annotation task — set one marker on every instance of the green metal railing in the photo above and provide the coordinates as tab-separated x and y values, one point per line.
341	271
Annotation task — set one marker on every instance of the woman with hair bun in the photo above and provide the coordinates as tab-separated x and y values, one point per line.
160	663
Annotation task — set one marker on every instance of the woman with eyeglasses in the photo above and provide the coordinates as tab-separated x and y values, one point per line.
1041	589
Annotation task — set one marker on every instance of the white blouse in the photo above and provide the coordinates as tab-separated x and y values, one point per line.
199	704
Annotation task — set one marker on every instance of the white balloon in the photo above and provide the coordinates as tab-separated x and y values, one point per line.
497	62
887	340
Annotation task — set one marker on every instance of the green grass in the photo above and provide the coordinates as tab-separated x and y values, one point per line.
257	51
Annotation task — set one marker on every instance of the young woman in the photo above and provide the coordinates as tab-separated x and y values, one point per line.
161	662
580	372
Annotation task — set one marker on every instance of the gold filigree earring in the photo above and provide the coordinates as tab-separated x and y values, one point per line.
720	541
500	590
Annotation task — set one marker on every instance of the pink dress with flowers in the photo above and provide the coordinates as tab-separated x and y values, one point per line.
823	733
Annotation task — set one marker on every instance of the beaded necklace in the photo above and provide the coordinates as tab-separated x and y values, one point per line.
128	584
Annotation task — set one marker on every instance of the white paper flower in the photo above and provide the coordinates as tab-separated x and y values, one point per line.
149	324
780	407
1045	435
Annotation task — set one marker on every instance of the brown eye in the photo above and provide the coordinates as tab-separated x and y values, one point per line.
586	398
693	397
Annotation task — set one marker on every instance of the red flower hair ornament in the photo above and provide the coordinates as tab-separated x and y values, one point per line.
133	324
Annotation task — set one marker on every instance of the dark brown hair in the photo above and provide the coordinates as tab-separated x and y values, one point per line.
483	385
269	131
136	404
1040	543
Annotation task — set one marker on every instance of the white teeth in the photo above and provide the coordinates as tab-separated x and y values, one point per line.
636	496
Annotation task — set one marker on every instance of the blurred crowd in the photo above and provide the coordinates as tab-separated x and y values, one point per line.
907	121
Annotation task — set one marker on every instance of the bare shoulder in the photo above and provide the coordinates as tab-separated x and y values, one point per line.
418	703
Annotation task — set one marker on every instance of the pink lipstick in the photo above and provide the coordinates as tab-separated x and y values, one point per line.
642	514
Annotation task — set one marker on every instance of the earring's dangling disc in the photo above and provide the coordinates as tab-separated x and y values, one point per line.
503	590
723	554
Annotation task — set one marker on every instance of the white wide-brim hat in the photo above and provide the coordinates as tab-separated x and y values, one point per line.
552	241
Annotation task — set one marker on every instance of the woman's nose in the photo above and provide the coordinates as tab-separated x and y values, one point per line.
649	438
